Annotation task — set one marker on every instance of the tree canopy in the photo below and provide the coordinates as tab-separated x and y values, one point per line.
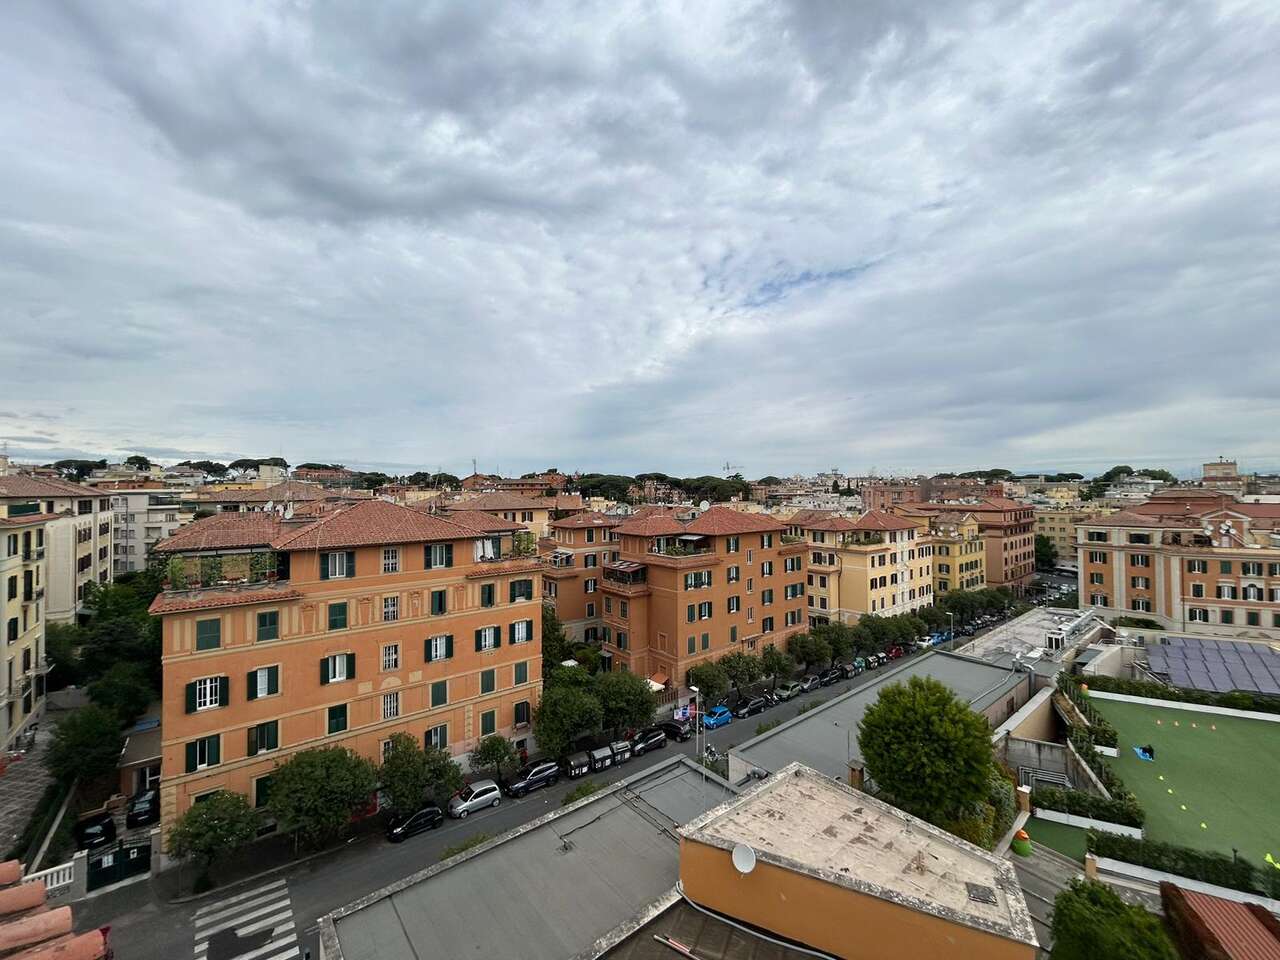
410	774
1046	552
1090	920
565	713
494	754
626	702
711	680
139	461
86	744
217	826
926	750
316	791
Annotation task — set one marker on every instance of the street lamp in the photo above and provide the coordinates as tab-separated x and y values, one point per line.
951	621
697	728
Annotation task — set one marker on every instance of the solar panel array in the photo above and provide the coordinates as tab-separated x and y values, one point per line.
1220	666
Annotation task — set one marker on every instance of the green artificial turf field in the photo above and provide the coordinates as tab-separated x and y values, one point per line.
1069	841
1225	772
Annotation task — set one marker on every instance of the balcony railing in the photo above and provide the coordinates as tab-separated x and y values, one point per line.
674	550
30	556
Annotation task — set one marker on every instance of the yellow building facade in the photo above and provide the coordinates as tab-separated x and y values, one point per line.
959	555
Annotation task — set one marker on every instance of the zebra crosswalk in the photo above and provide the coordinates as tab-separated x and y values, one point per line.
254	925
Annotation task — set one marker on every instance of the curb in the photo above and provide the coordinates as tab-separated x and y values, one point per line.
222	889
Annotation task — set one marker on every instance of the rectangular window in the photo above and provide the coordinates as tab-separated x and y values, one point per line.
1197	590
338	667
704	610
590	560
591	535
591	610
390	609
521	631
622	640
337	718
439	693
262	682
391	705
488	681
438	736
733	575
1097	600
766	597
624	609
334	566
608	604
1140	583
1140	560
1224	566
522	713
766	568
1198	614
589	585
487	595
1141	604
1226	616
766	624
1226	591
391	560
730	544
438	605
693	645
338	616
261	792
488	722
1139	538
487	638
706	641
205	752
1197	566
208	634
1097	556
1096	578
264	737
1253	618
766	541
1250	568
208	693
391	656
520	673
439	648
521	590
269	625
436	555
735	604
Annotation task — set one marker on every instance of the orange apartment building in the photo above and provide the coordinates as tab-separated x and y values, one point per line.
339	628
576	551
674	593
1196	563
1007	528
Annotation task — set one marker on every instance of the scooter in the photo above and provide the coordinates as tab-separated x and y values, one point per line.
712	754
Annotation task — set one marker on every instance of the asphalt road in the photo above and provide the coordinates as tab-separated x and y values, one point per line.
229	923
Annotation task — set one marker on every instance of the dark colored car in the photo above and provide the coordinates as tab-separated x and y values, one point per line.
428	818
144	809
94	832
810	682
677	729
749	708
652	738
531	776
828	677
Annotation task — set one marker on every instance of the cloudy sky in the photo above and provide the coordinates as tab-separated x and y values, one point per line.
630	236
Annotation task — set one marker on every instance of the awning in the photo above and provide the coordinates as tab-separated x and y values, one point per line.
660	679
689	536
624	566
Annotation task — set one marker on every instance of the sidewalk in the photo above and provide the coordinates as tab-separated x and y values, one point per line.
22	782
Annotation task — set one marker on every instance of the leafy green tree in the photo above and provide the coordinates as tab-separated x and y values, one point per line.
565	713
125	690
77	470
86	744
1158	474
494	755
809	649
62	642
1046	552
404	775
372	481
217	826
570	677
626	702
588	657
315	792
769	481
555	646
926	750
838	636
835	486
776	664
444	775
139	461
710	679
1090	921
742	668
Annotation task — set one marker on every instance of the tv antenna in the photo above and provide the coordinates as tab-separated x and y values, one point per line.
730	468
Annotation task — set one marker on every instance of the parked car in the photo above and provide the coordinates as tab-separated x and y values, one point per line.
531	776
401	828
749	708
895	652
473	797
717	717
829	676
677	729
96	831
144	808
621	750
651	738
576	765
810	682
786	691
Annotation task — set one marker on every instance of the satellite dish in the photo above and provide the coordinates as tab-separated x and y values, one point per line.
744	858
704	506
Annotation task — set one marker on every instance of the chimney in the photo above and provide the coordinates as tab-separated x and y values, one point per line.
856	775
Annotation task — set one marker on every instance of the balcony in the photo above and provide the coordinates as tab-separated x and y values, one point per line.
33	556
501	566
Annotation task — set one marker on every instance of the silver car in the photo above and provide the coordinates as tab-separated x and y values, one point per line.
475	796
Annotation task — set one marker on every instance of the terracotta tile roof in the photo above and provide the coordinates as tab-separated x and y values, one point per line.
721	521
372	522
1129	518
27	520
223	531
568	501
484	522
823	520
589	519
283	492
500	501
656	523
879	520
25	485
218	597
1241	933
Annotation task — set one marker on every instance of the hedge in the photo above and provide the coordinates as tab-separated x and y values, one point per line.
1101	730
1124	810
1215	868
1158	691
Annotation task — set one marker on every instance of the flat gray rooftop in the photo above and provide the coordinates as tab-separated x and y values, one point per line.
551	888
826	739
1026	635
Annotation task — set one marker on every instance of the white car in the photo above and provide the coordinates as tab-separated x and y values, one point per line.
475	796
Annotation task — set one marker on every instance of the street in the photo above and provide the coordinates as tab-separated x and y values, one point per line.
274	918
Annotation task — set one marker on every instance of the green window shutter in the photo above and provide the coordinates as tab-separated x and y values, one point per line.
215	749
497	638
273	734
324	566
351	666
448	554
191	697
351	563
448	647
426	650
191	757
513	592
479	642
521	673
224	691
251	685
273	679
324	670
511	632
691	614
426	557
252	749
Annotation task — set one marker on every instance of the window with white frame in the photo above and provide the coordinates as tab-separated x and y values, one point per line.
1141	604
522	631
1140	583
390	609
207	693
1198	614
386	749
733	575
1096	578
1197	566
590	560
1226	591
391	656
438	736
735	604
1097	556
1140	559
391	560
437	648
391	705
589	585
337	667
1197	589
1097	599
704	610
487	638
766	568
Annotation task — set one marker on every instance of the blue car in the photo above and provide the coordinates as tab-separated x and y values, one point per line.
716	717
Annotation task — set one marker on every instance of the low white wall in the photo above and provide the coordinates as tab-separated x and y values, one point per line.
1106	751
1132	871
1191	707
1088	823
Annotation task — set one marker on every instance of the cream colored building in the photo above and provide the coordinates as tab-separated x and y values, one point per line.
1059	525
144	514
959	555
22	595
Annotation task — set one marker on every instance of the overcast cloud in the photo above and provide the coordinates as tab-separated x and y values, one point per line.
633	236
